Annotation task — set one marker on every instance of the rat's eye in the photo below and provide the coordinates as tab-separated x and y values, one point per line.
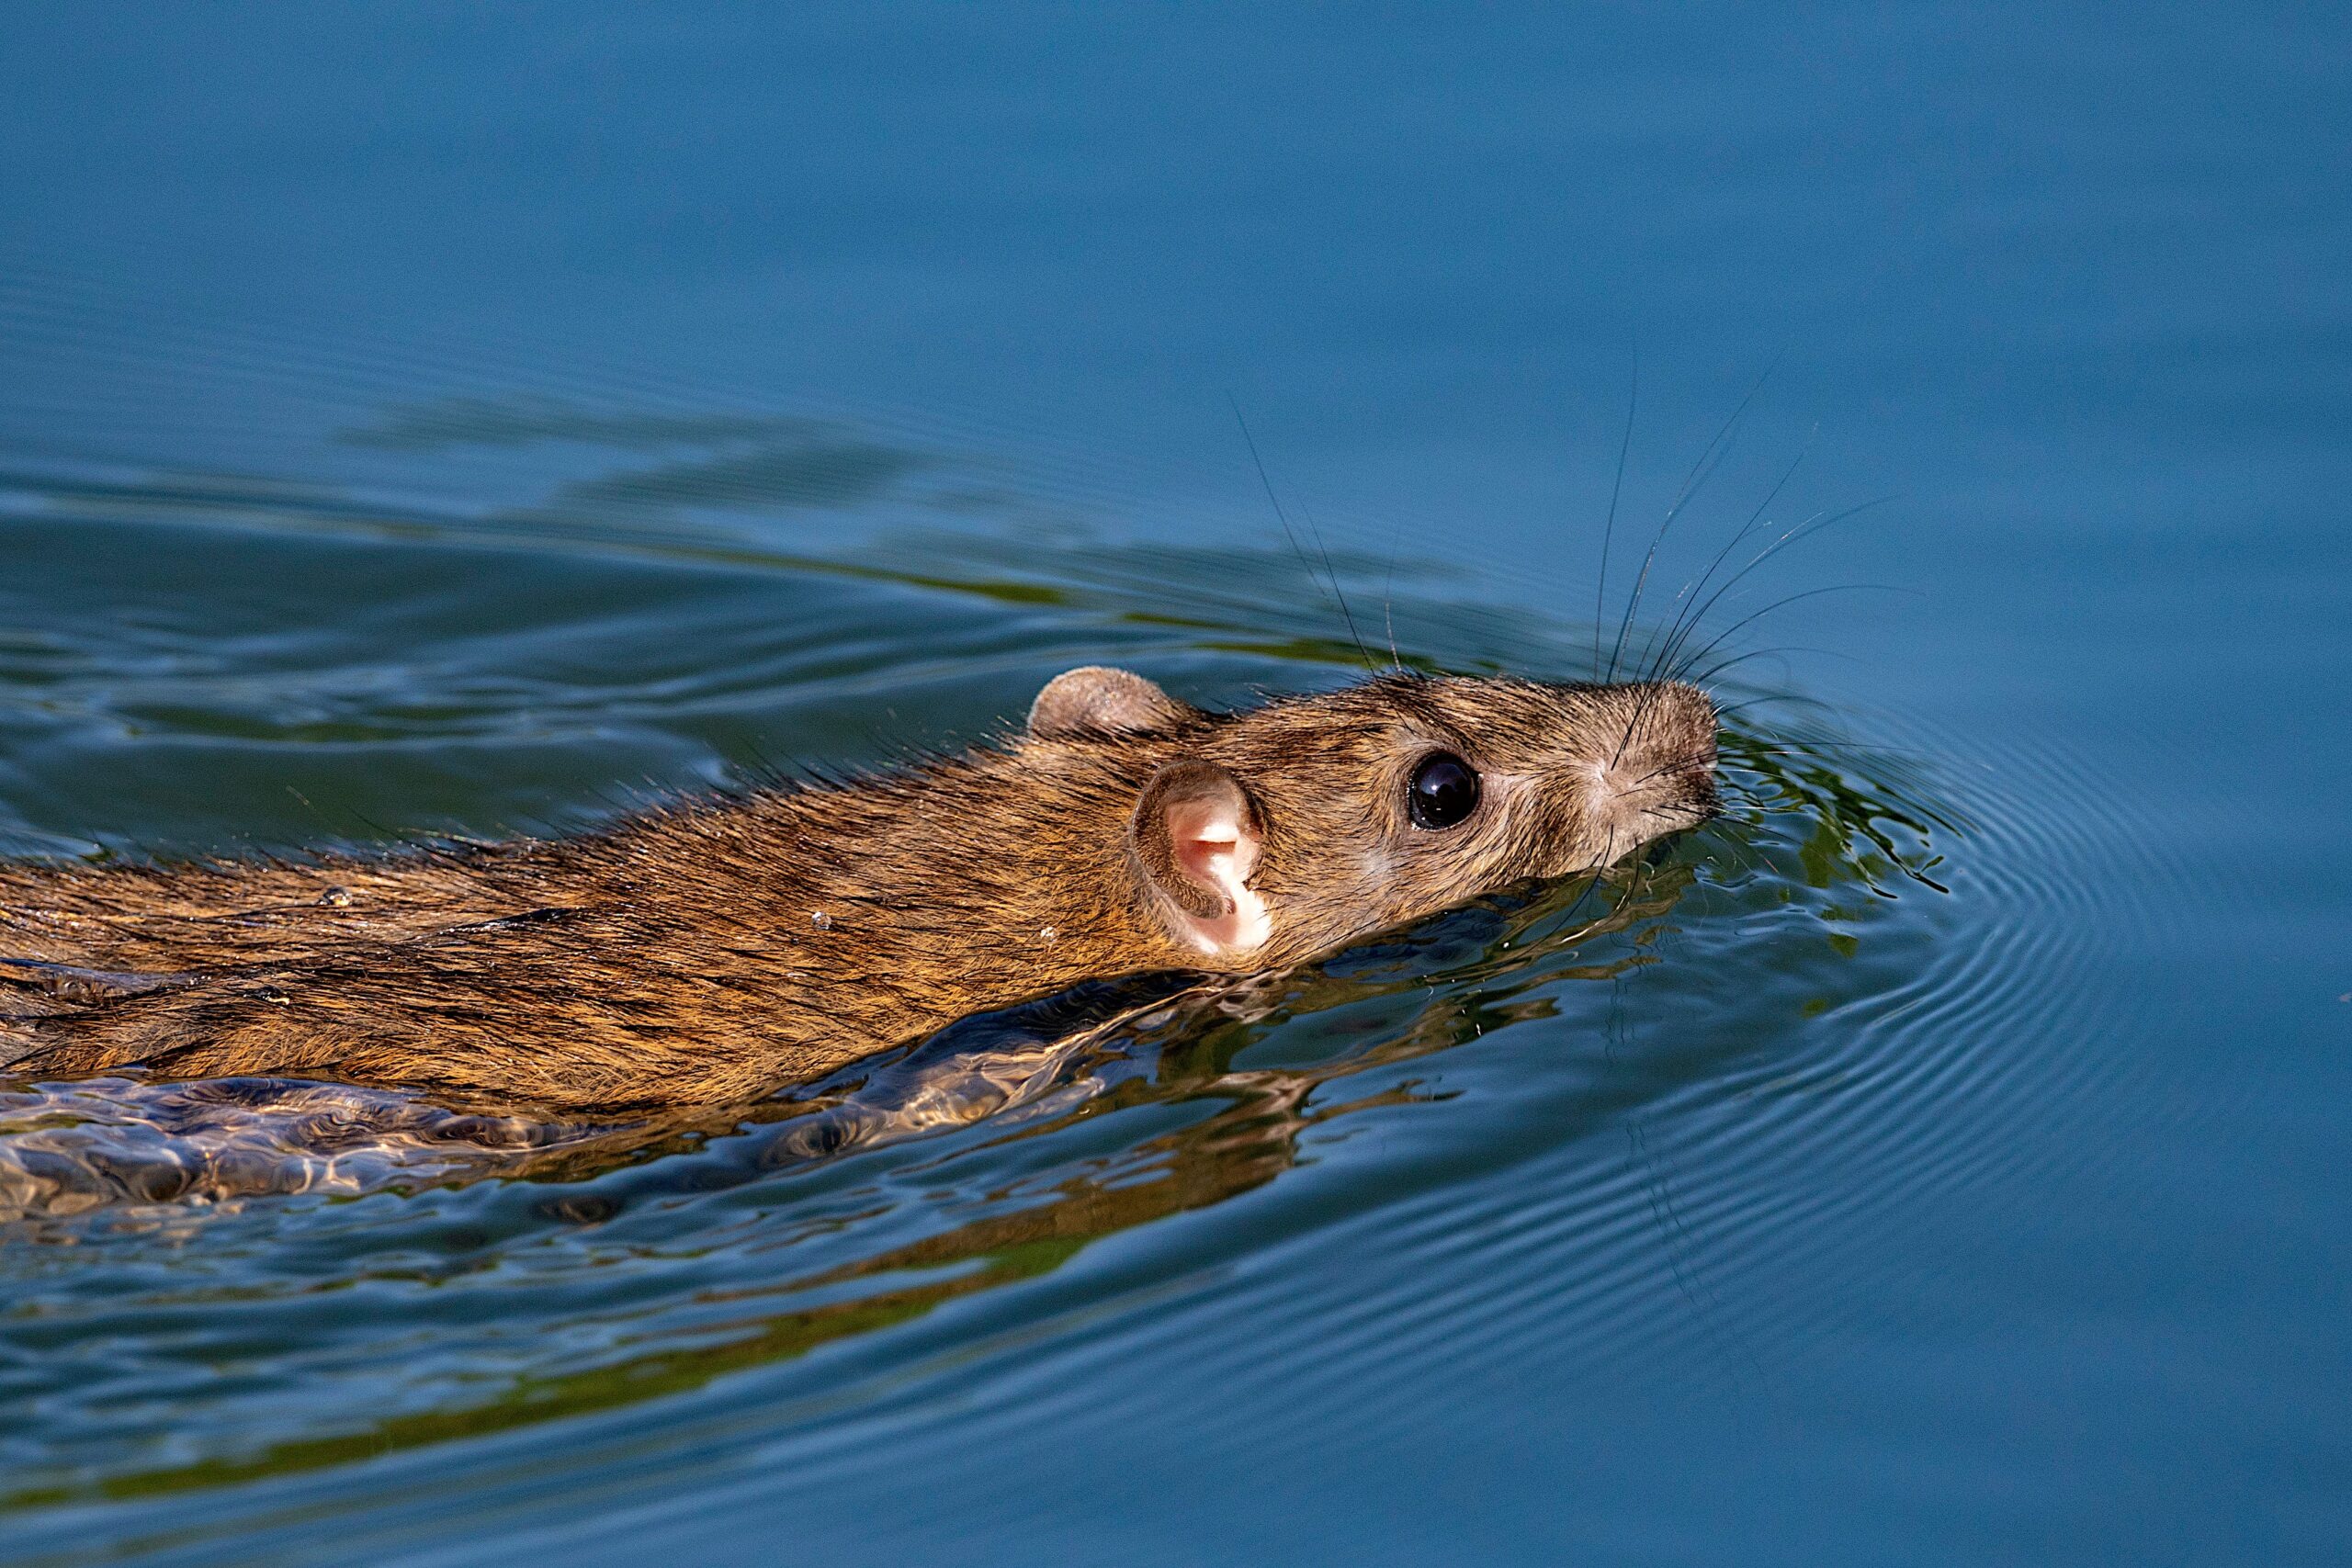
1444	791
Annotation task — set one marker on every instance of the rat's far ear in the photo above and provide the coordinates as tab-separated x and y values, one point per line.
1195	838
1095	699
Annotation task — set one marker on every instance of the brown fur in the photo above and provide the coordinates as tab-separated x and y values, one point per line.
716	948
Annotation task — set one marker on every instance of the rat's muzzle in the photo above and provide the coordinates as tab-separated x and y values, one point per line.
1659	776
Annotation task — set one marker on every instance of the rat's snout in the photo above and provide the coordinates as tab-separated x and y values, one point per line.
1655	772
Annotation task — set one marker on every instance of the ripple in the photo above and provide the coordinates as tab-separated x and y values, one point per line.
1636	1120
1016	1132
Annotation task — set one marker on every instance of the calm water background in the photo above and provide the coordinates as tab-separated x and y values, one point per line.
419	420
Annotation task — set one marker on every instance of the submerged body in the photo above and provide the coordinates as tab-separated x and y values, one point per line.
715	948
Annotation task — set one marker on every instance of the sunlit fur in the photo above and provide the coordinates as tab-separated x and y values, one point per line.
718	947
1565	788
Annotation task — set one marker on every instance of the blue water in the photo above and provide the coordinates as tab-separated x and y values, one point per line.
425	420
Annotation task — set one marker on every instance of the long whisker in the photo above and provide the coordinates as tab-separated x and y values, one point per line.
1690	488
1677	630
1717	640
1329	572
1292	535
1738	658
1709	459
1388	603
1816	523
1809	746
1692	484
1609	529
1792	697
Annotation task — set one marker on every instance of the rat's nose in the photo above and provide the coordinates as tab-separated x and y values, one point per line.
1672	720
1658	776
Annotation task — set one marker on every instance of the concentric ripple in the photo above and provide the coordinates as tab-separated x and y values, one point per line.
1619	1114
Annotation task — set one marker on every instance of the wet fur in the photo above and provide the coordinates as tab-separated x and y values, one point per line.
716	948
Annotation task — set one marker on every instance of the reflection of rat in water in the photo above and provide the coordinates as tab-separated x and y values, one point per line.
713	949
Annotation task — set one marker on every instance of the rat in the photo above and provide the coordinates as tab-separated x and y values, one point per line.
715	948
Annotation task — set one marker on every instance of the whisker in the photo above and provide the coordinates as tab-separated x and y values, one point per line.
1709	461
1677	630
1713	671
1388	603
1717	640
1292	535
1609	529
1324	551
1816	523
1810	746
1701	471
1775	697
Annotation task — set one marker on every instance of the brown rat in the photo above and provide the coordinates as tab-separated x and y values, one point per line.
716	948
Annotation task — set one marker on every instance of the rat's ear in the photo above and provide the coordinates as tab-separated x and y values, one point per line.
1095	699
1194	838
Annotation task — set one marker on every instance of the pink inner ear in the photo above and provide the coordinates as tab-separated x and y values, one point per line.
1212	845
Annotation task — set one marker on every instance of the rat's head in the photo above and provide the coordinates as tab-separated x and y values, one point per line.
1270	835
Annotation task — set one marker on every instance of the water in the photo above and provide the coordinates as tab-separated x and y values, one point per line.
417	423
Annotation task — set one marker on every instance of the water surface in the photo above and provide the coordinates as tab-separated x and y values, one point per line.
422	424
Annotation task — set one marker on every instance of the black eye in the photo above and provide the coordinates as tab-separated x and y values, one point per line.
1444	791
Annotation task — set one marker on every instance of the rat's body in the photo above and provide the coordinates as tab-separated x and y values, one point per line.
716	949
